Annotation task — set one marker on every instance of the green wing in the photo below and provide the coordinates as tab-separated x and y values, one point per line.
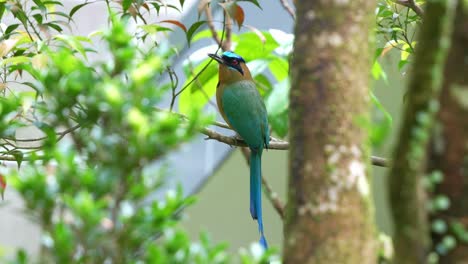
246	112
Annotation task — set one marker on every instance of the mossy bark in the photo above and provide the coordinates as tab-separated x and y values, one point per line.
407	196
329	215
449	148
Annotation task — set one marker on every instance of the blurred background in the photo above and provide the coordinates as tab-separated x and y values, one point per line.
215	172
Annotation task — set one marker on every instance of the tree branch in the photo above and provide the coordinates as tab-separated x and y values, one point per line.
209	21
412	5
288	8
228	42
274	144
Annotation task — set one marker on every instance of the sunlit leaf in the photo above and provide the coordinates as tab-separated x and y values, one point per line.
248	40
7	45
73	42
154	28
204	34
378	72
402	64
257	66
197	95
257	32
279	67
39	61
381	127
278	100
14	60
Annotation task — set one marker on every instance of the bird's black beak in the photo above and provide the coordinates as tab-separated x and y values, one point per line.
216	58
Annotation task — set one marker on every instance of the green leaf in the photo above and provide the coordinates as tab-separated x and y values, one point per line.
197	95
126	4
279	123
378	72
193	28
10	28
58	13
263	84
2	9
402	64
15	60
279	67
75	9
18	155
40	5
154	28
203	35
278	100
248	40
380	129
257	66
54	26
73	42
38	18
255	2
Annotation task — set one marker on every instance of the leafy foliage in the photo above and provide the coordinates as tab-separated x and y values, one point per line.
88	192
269	67
88	176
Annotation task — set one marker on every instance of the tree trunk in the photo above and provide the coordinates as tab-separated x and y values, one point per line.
407	196
329	216
449	152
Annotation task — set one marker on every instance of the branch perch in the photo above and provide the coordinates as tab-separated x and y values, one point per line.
412	5
274	144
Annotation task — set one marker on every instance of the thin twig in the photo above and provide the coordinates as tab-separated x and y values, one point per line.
228	42
209	21
202	70
288	8
174	83
61	134
411	4
269	193
8	157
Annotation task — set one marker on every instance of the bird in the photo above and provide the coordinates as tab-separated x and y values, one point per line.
242	107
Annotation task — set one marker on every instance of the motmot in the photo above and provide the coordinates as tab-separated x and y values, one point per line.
242	107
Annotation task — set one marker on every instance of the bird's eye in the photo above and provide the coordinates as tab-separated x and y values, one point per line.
234	62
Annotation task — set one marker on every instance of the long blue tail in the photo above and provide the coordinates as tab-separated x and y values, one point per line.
256	192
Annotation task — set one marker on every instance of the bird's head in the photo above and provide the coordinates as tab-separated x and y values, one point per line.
231	65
